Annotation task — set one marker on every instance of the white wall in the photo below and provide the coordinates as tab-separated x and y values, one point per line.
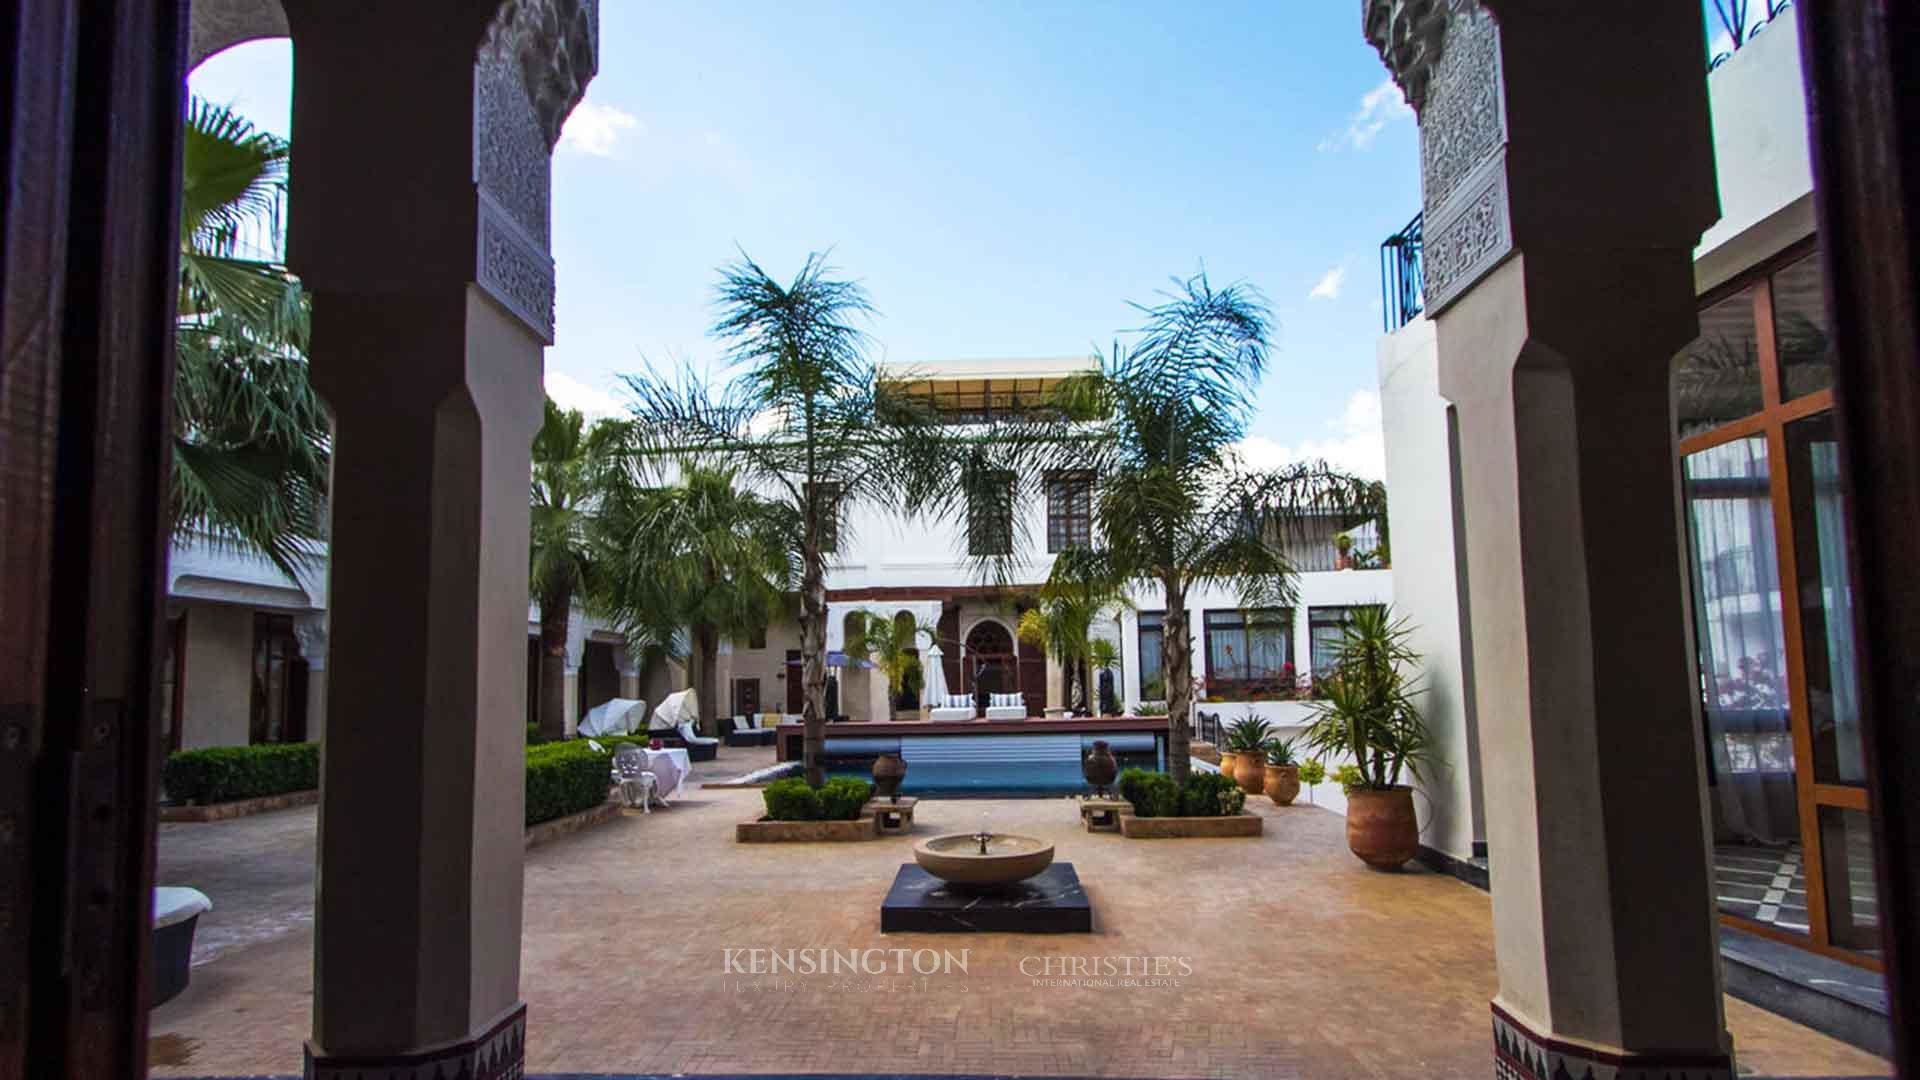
1760	153
1429	586
217	687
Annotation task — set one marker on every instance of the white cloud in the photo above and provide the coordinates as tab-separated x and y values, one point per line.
570	393
597	129
1379	107
1354	442
1328	287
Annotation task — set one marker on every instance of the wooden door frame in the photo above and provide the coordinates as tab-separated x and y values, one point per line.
1862	68
91	108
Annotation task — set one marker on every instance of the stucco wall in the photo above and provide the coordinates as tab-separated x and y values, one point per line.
769	665
1429	586
217	690
1760	153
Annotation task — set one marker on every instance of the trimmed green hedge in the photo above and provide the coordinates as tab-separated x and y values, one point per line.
220	774
565	778
1154	794
841	799
562	777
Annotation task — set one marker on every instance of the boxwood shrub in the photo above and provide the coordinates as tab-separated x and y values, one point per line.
1154	794
844	797
565	778
219	774
791	800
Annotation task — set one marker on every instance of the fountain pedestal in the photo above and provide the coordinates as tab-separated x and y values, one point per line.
1050	902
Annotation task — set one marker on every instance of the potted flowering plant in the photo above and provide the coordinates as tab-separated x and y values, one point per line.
1247	740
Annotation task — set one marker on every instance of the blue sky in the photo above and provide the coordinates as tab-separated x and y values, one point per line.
1003	178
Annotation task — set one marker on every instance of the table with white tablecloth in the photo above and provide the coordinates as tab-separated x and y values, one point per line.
670	768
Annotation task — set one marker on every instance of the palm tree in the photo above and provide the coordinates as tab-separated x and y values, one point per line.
700	553
889	643
561	563
1174	506
250	437
1080	587
805	418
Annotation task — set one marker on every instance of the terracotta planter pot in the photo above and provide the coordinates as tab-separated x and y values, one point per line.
1250	772
1283	784
1381	828
1228	759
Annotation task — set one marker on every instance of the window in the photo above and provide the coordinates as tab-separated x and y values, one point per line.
1326	626
825	498
1153	675
279	712
1250	652
1772	611
1069	511
990	514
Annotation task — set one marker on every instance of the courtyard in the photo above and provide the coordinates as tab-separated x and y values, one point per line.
1302	962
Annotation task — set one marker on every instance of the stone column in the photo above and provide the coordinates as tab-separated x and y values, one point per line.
311	632
419	221
1567	174
570	689
626	660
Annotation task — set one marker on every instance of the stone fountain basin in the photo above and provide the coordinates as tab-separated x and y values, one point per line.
956	859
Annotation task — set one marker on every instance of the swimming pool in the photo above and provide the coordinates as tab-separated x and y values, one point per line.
952	765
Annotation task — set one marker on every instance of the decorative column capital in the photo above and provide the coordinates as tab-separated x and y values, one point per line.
555	44
1409	36
310	631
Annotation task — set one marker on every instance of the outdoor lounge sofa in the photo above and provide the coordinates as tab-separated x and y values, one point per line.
957	707
1007	706
754	729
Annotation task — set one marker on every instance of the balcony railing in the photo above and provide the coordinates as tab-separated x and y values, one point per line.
1400	276
1739	24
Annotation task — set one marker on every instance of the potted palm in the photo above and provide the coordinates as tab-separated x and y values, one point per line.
1283	772
1247	742
1366	715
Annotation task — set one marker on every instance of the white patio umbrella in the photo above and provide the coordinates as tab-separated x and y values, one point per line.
933	675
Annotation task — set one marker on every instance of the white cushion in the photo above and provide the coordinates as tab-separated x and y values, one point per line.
686	732
1001	700
959	701
176	904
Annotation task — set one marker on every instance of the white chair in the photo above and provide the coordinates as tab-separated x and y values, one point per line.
1007	706
958	707
637	786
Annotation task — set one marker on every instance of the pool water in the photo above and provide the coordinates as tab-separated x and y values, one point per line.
989	765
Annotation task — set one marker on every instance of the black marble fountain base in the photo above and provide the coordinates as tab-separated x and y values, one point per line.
1050	902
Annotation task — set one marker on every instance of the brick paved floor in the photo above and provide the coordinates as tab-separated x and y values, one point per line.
1303	962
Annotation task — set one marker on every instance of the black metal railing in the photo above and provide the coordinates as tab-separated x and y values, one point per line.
1739	26
1401	279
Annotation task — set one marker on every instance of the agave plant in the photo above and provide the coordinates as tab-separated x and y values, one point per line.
1248	735
1280	752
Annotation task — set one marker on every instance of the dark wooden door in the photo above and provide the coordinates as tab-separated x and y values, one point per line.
90	115
796	684
746	697
1033	679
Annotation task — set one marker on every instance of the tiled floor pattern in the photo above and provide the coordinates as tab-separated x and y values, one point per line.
1299	961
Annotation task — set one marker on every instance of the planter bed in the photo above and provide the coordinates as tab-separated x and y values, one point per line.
561	826
763	831
238	808
1168	828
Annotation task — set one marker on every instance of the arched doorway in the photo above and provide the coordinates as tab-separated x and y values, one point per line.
990	661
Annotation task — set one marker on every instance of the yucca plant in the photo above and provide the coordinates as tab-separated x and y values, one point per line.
1366	711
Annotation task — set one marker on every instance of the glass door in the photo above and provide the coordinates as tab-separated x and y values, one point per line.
1773	632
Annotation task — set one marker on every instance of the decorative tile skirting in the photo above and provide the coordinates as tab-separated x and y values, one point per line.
499	1053
1519	1054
